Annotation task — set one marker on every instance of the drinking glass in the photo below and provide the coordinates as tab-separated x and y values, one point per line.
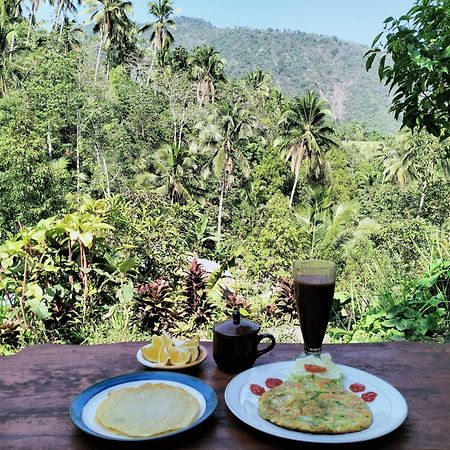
314	282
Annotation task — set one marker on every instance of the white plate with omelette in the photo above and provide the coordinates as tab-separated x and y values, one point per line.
389	409
143	406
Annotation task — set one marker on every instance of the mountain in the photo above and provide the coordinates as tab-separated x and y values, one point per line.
299	61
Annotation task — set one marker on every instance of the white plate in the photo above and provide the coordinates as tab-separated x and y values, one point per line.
389	409
203	353
84	406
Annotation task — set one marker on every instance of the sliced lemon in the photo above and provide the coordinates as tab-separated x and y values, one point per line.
193	342
179	356
166	339
157	341
163	355
151	353
194	352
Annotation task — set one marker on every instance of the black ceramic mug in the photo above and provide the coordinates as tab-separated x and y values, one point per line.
235	343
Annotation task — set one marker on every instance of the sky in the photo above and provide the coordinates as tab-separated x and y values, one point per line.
351	20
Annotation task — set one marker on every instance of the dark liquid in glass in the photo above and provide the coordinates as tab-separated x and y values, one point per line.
314	297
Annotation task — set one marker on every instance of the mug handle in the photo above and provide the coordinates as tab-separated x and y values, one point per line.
269	347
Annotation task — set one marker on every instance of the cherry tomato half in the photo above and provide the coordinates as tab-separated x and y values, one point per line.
313	368
357	387
273	382
369	396
257	389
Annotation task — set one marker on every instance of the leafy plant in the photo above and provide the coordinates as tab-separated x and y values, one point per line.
154	309
199	307
285	304
414	62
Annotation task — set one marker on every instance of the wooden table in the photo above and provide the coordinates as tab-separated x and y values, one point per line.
38	384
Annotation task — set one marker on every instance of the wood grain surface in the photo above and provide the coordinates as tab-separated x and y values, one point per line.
38	384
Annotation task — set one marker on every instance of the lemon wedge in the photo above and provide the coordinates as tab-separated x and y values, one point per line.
193	342
194	352
179	356
165	351
165	336
163	355
151	353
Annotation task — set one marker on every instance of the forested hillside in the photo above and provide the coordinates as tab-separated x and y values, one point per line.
126	159
298	62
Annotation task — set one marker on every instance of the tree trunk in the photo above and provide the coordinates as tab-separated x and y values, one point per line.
97	64
294	187
58	13
107	71
13	39
30	23
61	28
99	162
422	196
105	169
78	151
151	67
219	216
49	143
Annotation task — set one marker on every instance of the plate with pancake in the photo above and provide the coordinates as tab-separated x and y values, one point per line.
388	410
143	406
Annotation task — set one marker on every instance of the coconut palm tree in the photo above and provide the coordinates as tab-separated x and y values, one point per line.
8	71
62	9
173	173
11	11
32	17
260	82
207	67
398	160
112	21
71	36
222	134
323	222
161	36
305	136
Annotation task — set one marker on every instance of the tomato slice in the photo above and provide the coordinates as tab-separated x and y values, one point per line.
357	387
273	382
257	389
313	368
369	396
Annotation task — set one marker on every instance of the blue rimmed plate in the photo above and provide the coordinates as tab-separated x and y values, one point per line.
84	406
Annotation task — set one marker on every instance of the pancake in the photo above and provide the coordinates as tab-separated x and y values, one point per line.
147	410
315	406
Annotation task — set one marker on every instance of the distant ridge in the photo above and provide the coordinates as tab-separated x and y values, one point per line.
299	61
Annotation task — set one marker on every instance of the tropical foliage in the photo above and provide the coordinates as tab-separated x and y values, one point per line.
144	189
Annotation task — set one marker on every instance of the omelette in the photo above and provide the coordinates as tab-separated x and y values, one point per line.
147	410
315	406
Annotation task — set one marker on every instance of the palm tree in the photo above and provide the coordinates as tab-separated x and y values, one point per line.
112	21
32	18
62	8
72	36
398	160
224	131
11	11
173	166
8	71
161	36
305	136
323	222
260	82
207	68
